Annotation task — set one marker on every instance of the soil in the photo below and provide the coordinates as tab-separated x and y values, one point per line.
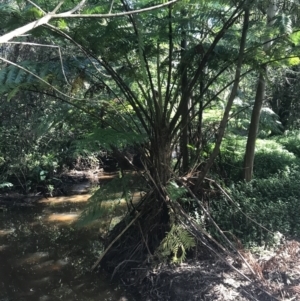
277	278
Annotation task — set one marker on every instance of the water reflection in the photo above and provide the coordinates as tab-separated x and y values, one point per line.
43	258
81	198
63	217
4	232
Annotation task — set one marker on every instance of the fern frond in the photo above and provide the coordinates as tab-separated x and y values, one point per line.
107	138
96	207
174	191
105	200
176	244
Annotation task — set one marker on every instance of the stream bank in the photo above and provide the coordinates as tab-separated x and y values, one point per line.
44	257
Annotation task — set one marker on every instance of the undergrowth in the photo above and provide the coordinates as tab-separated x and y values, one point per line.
271	156
273	202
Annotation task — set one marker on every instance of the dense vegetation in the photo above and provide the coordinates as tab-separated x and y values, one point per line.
200	98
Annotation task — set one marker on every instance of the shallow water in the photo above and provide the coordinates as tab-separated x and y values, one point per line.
43	257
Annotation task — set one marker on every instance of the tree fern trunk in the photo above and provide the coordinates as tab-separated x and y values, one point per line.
160	157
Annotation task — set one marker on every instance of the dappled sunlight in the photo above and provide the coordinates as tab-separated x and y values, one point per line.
3	247
49	266
66	218
4	232
33	258
82	198
42	281
108	176
41	263
71	217
122	202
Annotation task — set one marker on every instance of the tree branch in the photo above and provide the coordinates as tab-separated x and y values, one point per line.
70	14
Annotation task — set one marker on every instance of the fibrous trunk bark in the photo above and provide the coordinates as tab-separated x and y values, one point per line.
161	157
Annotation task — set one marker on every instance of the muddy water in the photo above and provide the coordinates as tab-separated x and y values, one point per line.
44	257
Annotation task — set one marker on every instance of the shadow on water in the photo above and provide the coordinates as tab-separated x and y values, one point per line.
43	257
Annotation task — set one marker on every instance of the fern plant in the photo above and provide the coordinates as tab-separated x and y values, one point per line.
175	245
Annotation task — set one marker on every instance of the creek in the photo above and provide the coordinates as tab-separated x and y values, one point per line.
44	257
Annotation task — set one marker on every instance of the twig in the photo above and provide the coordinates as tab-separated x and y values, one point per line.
50	46
61	3
38	7
218	228
111	244
195	226
118	266
232	201
144	240
111	6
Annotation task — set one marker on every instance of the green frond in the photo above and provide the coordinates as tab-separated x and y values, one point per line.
98	202
295	37
108	198
176	244
106	138
14	79
174	191
284	24
269	121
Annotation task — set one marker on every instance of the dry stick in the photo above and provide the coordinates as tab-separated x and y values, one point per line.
118	266
221	257
148	174
144	239
235	269
207	245
70	14
111	244
196	227
38	7
50	46
232	201
218	228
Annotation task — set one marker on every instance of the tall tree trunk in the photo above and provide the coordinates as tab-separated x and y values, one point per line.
260	95
184	140
232	96
253	129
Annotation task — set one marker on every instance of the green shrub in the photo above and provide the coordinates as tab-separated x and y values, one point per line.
270	158
272	202
230	161
291	142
